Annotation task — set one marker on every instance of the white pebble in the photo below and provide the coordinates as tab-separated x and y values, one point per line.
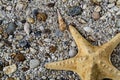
72	52
88	29
34	63
27	28
10	69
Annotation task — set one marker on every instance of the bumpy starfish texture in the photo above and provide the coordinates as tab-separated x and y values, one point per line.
91	62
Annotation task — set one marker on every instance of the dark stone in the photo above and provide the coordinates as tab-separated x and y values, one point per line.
37	33
23	21
1	22
74	11
35	12
11	28
51	4
47	31
1	66
106	79
24	44
19	57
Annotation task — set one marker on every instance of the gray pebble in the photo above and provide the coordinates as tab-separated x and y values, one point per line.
11	28
72	52
34	63
118	23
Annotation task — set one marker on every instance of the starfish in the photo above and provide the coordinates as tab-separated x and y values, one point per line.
91	62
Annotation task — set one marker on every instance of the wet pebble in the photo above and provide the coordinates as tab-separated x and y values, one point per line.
11	28
41	16
24	43
74	11
34	63
118	23
19	57
72	52
95	15
10	69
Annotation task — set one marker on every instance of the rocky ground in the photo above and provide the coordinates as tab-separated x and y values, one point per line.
30	36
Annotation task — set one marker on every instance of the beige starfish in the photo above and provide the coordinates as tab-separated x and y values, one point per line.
91	62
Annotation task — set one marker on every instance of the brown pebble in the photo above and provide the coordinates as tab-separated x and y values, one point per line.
25	68
10	78
5	35
19	57
95	15
1	30
96	1
52	49
51	4
41	16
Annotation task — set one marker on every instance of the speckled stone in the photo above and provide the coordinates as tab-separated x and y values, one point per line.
19	57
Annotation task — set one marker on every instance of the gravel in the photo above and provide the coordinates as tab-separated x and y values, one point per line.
30	27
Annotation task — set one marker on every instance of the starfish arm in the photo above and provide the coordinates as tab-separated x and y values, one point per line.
109	46
81	42
68	64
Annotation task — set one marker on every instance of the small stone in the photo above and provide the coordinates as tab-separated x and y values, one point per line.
1	44
88	29
30	20
19	6
24	43
34	63
43	77
37	33
19	57
11	28
1	21
51	4
47	31
118	23
41	28
96	1
9	8
74	11
72	52
112	1
111	5
19	37
32	50
1	66
10	78
10	69
95	15
25	68
97	9
52	49
35	13
118	3
23	21
82	21
64	0
27	28
47	40
91	38
1	74
41	16
1	30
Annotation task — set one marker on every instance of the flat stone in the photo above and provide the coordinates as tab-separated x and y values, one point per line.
34	63
10	69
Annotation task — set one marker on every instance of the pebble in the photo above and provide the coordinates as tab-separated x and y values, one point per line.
37	33
19	37
72	52
1	21
111	5
74	11
1	74
97	9
95	15
10	69
1	30
9	8
111	1
82	21
19	57
23	21
34	63
51	4
88	29
32	50
96	1
47	40
118	3
1	44
41	28
52	49
11	28
41	16
19	6
30	20
10	78
24	43
27	28
35	12
1	66
118	23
